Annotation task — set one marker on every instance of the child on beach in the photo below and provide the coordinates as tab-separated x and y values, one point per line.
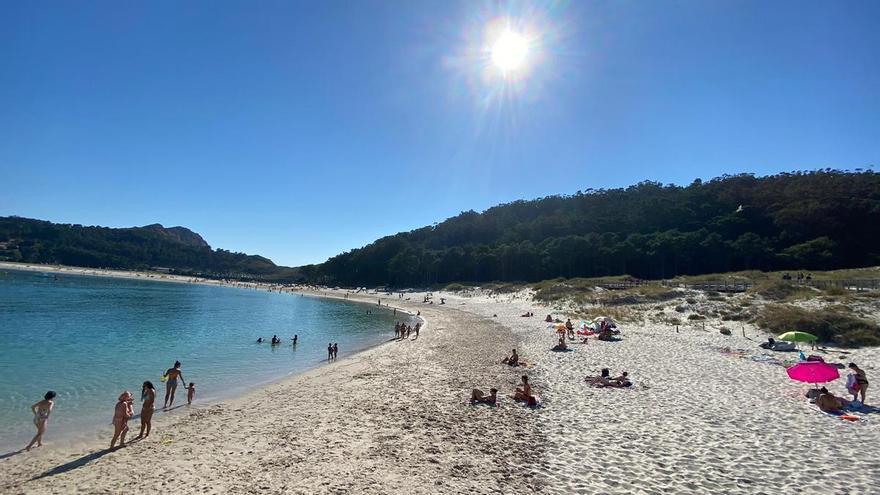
190	393
41	411
122	413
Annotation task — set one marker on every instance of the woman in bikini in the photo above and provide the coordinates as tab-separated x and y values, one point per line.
41	411
171	377
861	381
148	395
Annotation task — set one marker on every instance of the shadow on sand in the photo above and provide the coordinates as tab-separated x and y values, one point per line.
10	454
82	461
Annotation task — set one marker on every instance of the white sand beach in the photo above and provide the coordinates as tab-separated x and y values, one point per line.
396	419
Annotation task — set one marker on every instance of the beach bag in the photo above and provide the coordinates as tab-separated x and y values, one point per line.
851	384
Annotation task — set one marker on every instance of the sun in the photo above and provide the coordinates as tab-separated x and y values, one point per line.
509	51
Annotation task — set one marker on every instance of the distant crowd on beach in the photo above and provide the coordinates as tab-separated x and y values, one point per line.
124	409
603	328
402	331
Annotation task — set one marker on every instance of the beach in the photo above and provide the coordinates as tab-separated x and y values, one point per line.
703	416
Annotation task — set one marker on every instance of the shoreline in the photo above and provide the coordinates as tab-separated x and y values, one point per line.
708	414
341	400
85	439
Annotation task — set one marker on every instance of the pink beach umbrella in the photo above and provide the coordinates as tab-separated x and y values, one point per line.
813	372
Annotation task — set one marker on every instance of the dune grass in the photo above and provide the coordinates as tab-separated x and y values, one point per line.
837	324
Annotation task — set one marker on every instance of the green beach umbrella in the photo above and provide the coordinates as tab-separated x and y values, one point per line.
798	337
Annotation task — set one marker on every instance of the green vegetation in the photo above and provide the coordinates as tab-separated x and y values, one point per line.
798	221
138	248
778	290
836	325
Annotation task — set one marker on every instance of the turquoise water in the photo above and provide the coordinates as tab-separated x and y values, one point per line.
90	338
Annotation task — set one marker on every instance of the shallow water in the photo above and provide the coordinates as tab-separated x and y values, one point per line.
90	338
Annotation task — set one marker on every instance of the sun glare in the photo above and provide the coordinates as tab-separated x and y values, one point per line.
509	51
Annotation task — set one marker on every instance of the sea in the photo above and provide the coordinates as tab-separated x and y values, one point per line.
90	338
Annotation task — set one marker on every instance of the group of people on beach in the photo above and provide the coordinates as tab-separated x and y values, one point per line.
523	393
332	350
604	380
856	384
124	409
403	331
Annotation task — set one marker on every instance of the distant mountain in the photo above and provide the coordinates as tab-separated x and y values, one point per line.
151	246
804	220
179	234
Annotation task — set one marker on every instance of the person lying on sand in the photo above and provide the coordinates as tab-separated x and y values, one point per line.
512	360
560	346
621	381
478	397
603	379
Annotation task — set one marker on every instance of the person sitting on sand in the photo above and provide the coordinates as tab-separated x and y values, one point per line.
560	346
121	414
512	360
549	319
524	393
827	402
478	397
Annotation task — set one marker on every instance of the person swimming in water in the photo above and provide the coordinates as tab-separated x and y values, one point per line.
171	376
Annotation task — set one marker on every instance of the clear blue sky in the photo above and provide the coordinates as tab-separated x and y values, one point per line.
298	130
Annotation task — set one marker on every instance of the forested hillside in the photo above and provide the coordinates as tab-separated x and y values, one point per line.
177	248
806	220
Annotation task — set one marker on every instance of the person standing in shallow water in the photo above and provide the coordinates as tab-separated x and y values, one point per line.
41	411
335	350
329	351
172	375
